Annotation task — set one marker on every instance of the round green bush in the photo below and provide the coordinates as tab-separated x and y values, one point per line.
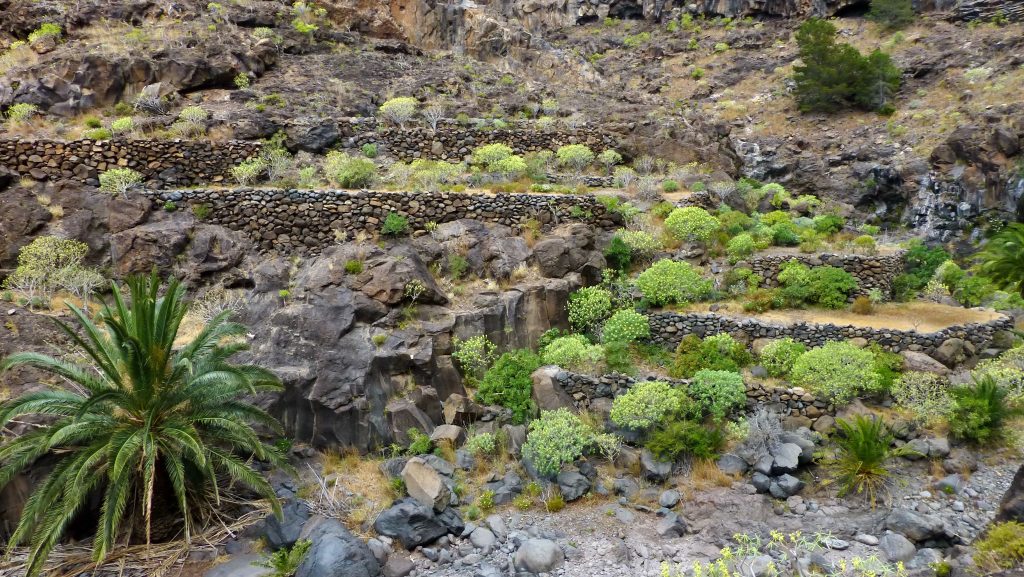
778	356
626	326
668	281
588	306
837	371
718	393
559	437
740	247
691	223
572	352
646	404
508	383
641	244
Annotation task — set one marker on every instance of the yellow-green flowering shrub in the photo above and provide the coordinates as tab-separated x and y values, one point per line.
668	281
626	326
837	371
573	353
717	393
925	394
588	306
560	437
646	404
692	223
778	356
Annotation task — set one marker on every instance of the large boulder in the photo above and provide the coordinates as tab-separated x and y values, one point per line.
896	548
156	245
916	361
425	484
385	278
567	249
414	524
539	556
548	394
917	527
335	551
654	469
284	532
312	135
1012	507
951	352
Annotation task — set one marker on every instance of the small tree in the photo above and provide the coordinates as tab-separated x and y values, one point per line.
574	156
609	158
399	110
892	14
433	114
119	181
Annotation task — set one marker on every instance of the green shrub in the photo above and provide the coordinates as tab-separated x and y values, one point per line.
349	171
489	155
888	366
46	30
474	355
286	561
668	281
718	352
691	223
573	353
399	110
626	326
718	393
1002	547
574	156
588	306
827	286
21	112
866	244
618	255
395	224
609	158
740	247
980	411
646	404
122	125
837	371
249	171
1007	371
920	265
618	358
641	244
683	437
508	383
925	394
482	444
353	266
670	185
785	234
892	14
457	266
419	443
559	437
119	180
369	150
864	447
98	134
778	356
829	223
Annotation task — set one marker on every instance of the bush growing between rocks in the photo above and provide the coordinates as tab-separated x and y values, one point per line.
618	254
349	171
717	393
646	404
419	443
740	247
395	224
399	110
827	286
51	263
249	171
719	352
609	158
641	243
837	371
864	447
559	437
588	306
778	356
626	326
672	282
574	156
119	181
692	223
684	437
573	353
489	155
1002	547
1007	371
508	383
980	411
122	125
482	444
926	395
474	355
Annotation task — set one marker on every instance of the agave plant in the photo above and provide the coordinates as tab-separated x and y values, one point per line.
142	422
1003	258
864	448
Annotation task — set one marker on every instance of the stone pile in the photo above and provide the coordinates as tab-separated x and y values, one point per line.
161	162
668	328
870	271
304	221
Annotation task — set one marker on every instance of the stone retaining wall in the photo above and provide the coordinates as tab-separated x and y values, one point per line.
668	328
870	271
794	402
304	221
453	143
162	162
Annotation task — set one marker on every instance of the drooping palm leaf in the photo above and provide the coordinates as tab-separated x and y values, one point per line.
1002	260
139	411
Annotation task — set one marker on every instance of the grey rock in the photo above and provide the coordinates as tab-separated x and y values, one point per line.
925	558
915	526
285	532
572	485
398	566
671	526
669	498
379	549
950	484
239	566
625	486
787	458
653	469
731	464
425	484
760	566
497	526
411	523
938	447
335	551
785	486
866	539
918	448
761	482
896	548
539	556
482	538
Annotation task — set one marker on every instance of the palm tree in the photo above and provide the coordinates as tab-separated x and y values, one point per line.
140	421
1003	258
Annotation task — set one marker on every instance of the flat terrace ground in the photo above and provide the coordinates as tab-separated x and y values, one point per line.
917	316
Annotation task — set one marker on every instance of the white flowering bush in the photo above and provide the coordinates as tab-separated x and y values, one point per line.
626	326
778	356
560	437
119	180
1007	371
692	223
482	444
668	281
924	394
641	243
717	393
588	306
837	371
399	110
646	404
574	353
474	355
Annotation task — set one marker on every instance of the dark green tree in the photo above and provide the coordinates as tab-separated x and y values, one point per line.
835	76
892	14
154	429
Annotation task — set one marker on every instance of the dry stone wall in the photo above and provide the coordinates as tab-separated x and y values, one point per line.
454	143
791	402
304	221
162	162
668	328
870	271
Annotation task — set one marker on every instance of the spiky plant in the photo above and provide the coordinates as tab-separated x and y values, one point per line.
864	447
1002	260
285	562
981	411
140	422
